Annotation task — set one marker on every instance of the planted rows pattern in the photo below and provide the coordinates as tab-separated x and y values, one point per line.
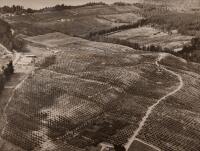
175	121
79	98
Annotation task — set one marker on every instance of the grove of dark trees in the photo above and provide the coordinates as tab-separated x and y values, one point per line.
18	10
61	7
15	9
161	16
7	71
139	23
188	52
191	52
119	148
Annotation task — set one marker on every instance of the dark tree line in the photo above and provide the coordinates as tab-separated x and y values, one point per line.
60	7
139	23
191	52
119	148
121	4
15	9
151	47
7	71
165	19
188	52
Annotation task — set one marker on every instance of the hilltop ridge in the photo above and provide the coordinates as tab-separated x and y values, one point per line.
178	4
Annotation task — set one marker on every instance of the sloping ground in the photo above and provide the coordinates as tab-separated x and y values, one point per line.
176	120
146	36
87	93
6	146
5	58
141	146
79	21
4	51
177	4
21	69
55	39
5	35
122	18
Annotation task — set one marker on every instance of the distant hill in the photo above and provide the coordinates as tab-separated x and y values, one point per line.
77	21
179	4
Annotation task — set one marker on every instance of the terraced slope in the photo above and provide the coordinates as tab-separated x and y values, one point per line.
91	92
81	94
177	117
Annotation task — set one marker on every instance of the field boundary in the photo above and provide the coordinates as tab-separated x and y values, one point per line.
150	145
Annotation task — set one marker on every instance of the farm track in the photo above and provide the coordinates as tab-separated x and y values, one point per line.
145	143
9	101
15	62
151	108
5	49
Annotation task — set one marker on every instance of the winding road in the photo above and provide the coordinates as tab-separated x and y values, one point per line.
151	108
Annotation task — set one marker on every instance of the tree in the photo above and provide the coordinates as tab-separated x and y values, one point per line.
8	70
119	148
2	82
10	67
195	42
29	10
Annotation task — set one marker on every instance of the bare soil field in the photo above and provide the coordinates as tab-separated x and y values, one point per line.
146	36
88	93
55	39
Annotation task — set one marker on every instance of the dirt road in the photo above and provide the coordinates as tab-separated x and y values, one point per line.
17	79
151	108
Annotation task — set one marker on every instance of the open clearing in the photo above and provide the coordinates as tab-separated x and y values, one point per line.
146	36
122	18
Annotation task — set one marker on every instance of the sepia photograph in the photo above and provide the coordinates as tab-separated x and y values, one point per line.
99	75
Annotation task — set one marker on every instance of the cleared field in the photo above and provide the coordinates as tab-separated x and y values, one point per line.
55	39
147	36
122	18
80	97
